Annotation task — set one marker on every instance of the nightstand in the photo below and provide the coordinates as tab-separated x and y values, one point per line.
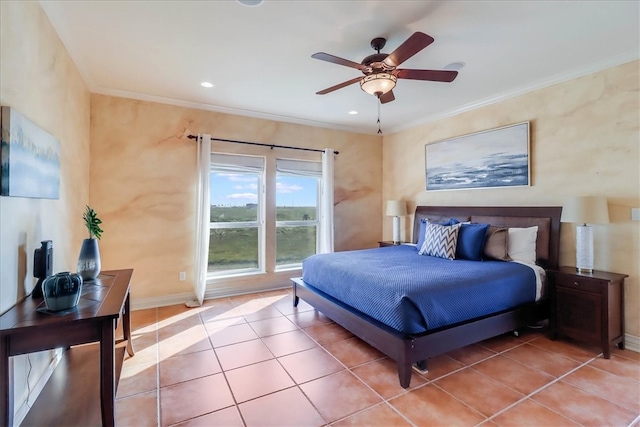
388	243
588	307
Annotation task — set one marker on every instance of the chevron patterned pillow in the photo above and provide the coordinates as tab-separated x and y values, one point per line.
440	241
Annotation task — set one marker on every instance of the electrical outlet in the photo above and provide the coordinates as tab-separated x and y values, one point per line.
635	214
183	276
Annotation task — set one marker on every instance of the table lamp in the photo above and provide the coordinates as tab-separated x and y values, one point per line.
585	210
396	209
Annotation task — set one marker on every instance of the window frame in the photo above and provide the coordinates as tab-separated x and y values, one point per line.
259	223
298	223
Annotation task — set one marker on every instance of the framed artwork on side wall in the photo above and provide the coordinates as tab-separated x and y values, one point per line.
488	159
29	158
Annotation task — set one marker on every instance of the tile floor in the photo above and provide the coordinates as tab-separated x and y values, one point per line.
254	360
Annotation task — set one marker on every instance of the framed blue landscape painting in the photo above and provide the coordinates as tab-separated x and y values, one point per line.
29	158
488	159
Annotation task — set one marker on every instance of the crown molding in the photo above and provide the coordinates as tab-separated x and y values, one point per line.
227	110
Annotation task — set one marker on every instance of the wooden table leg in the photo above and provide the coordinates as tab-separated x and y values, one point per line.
108	373
6	391
126	325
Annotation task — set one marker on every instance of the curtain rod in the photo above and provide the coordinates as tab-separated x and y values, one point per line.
272	146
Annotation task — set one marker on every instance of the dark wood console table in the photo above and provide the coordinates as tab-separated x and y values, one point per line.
24	330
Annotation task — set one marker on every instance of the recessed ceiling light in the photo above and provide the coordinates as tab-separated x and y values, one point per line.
353	112
206	84
250	2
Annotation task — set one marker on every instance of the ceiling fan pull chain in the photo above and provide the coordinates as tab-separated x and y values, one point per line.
379	130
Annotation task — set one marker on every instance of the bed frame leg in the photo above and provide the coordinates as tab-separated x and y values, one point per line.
404	373
296	298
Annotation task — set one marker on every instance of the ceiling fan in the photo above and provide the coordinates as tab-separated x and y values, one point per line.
381	70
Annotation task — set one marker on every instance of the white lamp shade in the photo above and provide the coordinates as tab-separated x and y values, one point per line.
585	210
396	208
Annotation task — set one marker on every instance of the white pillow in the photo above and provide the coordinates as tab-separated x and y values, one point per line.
521	245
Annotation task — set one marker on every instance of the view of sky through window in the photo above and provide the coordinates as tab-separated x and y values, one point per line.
238	189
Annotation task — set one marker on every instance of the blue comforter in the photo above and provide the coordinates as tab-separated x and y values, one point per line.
414	293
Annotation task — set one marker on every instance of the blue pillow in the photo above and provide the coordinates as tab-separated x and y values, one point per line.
423	229
471	241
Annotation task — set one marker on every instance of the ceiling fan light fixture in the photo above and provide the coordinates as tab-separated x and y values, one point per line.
378	84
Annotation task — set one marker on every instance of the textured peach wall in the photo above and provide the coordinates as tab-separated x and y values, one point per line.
143	185
38	79
584	141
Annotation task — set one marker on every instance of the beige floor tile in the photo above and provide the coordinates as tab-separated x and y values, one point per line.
514	374
353	352
381	415
242	354
328	333
190	340
185	367
169	327
288	343
231	334
177	312
285	408
542	360
144	320
571	350
220	311
135	379
305	319
228	417
276	325
194	398
531	414
382	376
140	410
310	364
583	408
621	391
486	395
430	406
339	395
471	354
258	380
620	366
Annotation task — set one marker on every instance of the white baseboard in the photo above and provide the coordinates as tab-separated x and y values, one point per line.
631	342
23	407
153	302
218	292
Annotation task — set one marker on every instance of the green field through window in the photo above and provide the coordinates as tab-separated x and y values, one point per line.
237	248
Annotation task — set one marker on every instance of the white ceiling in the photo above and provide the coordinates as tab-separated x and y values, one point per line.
259	58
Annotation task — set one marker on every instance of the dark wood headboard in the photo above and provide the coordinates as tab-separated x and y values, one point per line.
547	218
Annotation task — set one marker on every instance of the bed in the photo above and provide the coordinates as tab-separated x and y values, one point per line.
405	335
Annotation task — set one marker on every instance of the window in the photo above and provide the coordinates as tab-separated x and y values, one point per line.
236	242
297	185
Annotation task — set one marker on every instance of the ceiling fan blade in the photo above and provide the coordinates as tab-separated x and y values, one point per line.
414	44
339	86
387	97
431	75
340	61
